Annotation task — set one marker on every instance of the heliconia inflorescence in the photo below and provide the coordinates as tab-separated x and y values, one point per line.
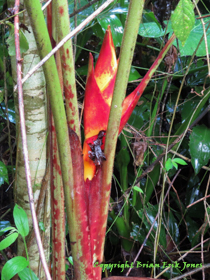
98	98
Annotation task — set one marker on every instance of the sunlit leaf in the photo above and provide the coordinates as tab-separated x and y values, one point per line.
21	220
169	164
7	241
116	28
179	161
136	188
12	267
175	164
27	274
183	20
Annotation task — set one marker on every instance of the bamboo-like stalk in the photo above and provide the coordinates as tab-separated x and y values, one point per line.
67	60
57	193
75	204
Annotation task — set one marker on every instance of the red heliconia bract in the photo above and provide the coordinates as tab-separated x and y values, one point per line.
98	98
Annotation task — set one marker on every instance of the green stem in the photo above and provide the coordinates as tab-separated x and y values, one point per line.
27	257
67	61
56	101
126	55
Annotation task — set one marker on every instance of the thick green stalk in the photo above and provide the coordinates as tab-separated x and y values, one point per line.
126	55
67	61
57	194
76	225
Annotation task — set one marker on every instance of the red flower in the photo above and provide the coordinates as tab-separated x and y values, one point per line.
98	98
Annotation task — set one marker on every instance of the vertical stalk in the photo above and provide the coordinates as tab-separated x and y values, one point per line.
24	141
67	61
57	193
76	215
126	55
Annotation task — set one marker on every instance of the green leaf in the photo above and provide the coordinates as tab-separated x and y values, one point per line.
136	188
174	164
3	174
151	212
139	234
26	274
21	220
150	17
199	147
116	27
183	20
7	229
24	46
134	74
41	226
173	227
179	161
193	40
12	267
70	259
151	30
6	242
169	164
193	231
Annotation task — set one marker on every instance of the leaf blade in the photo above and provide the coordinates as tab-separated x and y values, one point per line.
183	20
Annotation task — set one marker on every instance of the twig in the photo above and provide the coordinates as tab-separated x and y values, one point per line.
203	17
46	4
83	8
181	258
192	272
65	39
24	142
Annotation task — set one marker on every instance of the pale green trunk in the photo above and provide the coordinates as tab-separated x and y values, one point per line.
35	106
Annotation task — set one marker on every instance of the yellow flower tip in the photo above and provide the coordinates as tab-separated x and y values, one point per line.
106	65
89	166
89	170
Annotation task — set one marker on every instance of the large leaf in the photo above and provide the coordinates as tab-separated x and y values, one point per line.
3	174
199	147
139	234
7	241
193	40
26	274
173	227
12	267
193	231
21	220
116	27
151	29
183	20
